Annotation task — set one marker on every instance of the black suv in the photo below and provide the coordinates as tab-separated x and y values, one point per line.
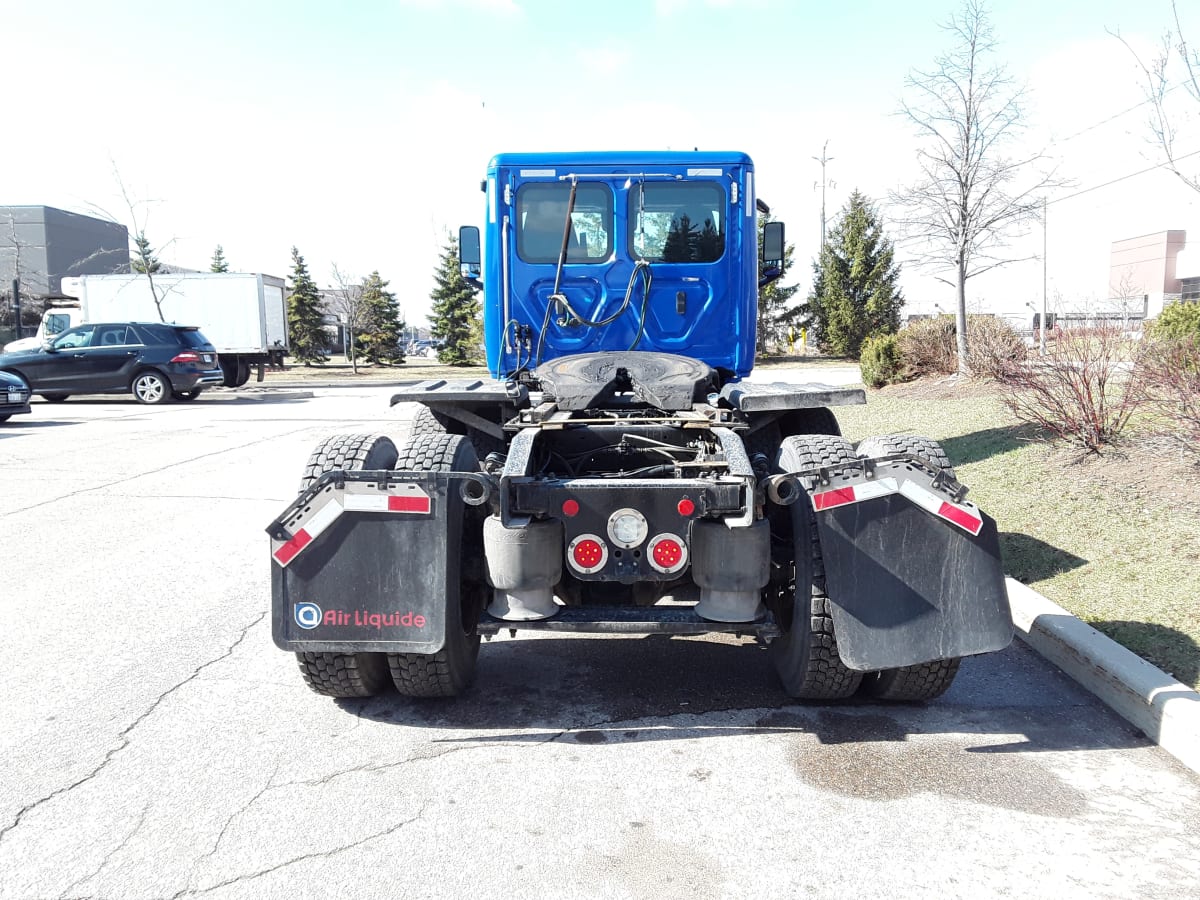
155	362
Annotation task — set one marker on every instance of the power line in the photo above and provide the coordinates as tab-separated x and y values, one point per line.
1113	117
1123	178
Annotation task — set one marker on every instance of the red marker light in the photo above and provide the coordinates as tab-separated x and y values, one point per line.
668	553
588	554
570	508
686	507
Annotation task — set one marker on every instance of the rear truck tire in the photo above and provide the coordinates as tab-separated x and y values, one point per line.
185	396
55	398
151	387
907	443
347	674
912	683
805	656
426	421
236	371
927	680
451	670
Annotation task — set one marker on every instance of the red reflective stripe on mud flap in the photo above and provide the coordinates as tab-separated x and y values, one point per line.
960	517
411	504
829	499
288	551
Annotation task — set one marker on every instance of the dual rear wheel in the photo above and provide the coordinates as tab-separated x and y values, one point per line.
805	656
451	670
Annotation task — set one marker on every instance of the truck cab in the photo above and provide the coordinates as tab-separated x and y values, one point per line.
609	252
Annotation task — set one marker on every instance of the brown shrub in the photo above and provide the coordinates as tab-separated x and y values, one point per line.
1083	391
930	346
1171	385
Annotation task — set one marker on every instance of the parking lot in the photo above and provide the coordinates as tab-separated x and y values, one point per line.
157	744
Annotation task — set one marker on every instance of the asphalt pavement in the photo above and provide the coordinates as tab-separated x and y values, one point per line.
157	744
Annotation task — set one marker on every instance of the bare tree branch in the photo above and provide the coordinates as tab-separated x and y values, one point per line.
1174	55
970	200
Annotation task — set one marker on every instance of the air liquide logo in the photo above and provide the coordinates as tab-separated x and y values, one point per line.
308	615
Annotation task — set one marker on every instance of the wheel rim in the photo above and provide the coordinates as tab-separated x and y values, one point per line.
149	388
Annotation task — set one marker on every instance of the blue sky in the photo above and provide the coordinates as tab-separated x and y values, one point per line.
359	131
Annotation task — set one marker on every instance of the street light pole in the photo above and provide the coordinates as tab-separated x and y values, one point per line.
823	160
1045	278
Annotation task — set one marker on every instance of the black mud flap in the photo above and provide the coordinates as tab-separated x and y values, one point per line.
368	561
913	572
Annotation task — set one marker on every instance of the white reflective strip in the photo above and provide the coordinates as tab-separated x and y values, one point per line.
923	498
491	200
695	173
322	518
366	502
869	490
750	208
537	173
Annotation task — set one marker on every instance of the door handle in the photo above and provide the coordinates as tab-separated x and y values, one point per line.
79	355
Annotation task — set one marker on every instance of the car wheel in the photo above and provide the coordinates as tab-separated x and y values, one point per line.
55	398
151	387
185	396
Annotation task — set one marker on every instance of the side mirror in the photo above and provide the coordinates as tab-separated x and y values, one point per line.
469	257
772	250
48	346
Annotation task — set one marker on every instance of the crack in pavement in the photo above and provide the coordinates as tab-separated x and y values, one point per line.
123	737
108	856
249	803
322	854
372	767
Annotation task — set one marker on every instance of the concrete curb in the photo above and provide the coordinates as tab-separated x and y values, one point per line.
1165	710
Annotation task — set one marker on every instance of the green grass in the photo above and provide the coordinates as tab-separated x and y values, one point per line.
1123	560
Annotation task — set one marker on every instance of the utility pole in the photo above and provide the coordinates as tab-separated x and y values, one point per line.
1045	279
823	160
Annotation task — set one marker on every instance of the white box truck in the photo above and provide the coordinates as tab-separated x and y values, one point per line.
244	315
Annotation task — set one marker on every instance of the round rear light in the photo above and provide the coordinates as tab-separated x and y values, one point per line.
668	553
587	553
570	508
686	507
627	528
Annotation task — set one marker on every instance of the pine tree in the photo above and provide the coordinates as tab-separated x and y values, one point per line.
218	260
455	310
856	291
775	312
144	260
381	324
305	329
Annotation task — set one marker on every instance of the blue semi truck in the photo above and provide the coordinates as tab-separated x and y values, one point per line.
617	474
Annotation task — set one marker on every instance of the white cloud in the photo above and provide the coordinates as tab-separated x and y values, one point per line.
604	60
